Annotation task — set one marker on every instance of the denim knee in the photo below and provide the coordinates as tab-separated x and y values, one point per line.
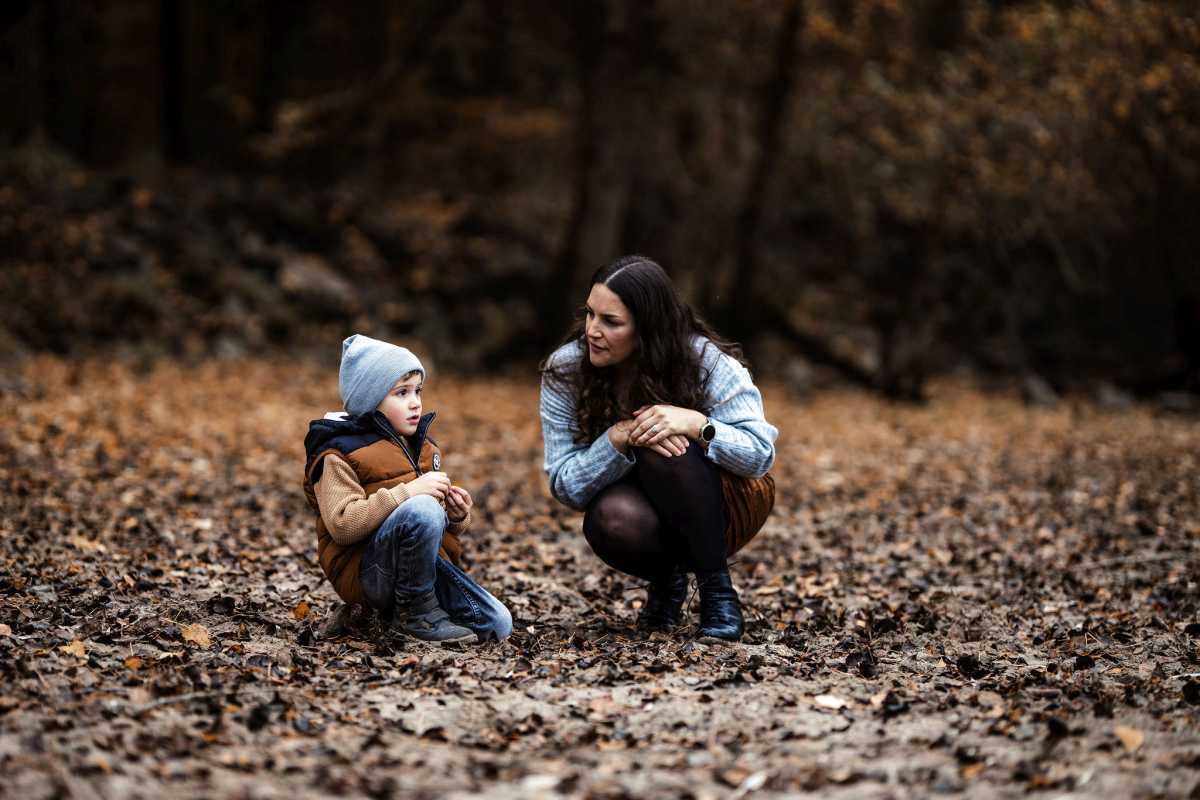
423	513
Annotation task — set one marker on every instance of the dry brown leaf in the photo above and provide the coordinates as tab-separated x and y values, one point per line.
1132	738
301	611
734	776
87	545
196	633
971	771
75	648
99	763
133	662
5	630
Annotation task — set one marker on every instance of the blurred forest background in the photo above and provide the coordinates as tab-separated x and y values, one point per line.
888	189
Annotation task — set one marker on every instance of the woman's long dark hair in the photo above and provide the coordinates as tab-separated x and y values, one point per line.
668	366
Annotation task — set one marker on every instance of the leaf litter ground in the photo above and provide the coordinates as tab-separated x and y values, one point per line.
970	598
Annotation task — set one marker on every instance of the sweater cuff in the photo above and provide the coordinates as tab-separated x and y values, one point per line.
610	453
400	493
458	527
716	450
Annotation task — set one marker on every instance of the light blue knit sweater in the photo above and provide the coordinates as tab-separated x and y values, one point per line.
744	445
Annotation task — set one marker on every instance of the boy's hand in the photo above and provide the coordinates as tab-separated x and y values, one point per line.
458	503
434	484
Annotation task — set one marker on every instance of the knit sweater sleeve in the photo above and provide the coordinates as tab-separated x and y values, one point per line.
745	441
459	527
349	513
576	471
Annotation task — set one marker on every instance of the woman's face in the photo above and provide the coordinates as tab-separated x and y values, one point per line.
610	331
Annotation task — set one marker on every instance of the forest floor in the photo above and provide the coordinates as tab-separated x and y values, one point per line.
967	598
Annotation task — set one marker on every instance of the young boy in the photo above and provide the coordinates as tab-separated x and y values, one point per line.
388	518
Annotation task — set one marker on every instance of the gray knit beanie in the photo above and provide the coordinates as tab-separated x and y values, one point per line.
370	368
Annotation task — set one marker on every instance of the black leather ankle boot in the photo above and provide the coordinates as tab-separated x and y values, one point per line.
664	602
720	609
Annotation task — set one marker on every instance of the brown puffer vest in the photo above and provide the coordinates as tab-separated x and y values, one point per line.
381	459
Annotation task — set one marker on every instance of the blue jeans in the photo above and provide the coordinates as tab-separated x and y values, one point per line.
402	562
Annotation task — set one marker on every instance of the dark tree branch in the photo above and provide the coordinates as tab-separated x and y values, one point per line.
817	350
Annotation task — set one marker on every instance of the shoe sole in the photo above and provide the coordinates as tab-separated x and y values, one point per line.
717	640
454	640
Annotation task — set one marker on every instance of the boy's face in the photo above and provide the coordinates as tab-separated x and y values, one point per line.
402	406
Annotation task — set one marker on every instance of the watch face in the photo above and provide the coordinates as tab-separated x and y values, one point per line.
708	432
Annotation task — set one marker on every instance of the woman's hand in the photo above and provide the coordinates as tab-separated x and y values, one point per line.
654	424
434	484
618	435
674	445
458	503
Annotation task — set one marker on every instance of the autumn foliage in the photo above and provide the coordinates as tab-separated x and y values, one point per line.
887	188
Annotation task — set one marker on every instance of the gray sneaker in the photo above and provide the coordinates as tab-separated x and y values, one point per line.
421	617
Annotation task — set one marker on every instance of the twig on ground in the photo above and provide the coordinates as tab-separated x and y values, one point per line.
1135	559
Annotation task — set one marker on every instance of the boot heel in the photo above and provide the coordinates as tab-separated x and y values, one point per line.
720	610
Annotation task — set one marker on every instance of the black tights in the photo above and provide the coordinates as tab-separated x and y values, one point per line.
667	512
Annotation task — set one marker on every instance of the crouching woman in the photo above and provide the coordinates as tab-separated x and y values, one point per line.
653	426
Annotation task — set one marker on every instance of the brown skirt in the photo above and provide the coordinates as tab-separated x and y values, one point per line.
748	501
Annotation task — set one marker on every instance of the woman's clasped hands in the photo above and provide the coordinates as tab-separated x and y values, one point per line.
662	428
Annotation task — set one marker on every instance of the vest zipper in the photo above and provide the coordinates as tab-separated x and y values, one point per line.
422	427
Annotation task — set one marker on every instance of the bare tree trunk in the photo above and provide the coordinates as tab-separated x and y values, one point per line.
277	28
173	54
601	185
748	309
68	73
20	88
740	312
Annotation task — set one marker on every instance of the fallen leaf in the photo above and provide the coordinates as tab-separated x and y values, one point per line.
301	611
75	648
1132	738
133	662
829	701
87	545
734	776
539	783
196	633
752	783
98	762
5	630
